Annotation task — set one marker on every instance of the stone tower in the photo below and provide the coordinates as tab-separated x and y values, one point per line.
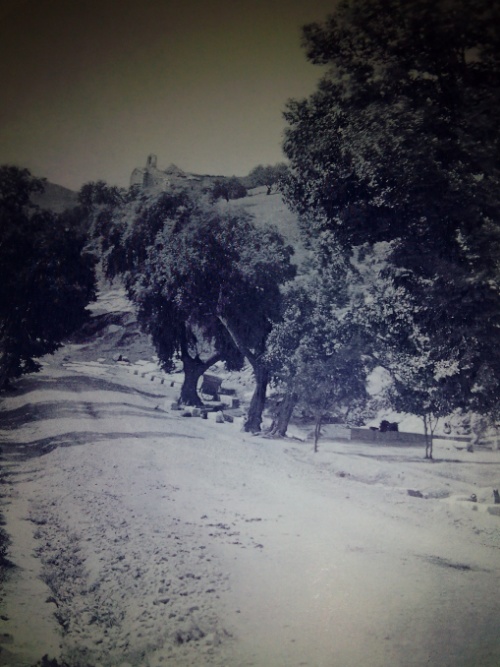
152	178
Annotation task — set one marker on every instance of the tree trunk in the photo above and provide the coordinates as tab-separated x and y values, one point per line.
5	369
317	432
428	431
284	414
261	374
193	370
6	357
254	419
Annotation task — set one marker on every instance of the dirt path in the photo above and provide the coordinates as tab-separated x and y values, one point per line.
170	540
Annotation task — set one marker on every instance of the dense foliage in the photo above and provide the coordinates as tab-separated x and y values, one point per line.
319	353
46	281
228	188
399	148
401	135
206	283
267	175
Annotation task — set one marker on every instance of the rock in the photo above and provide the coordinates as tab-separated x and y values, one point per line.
415	494
219	418
386	426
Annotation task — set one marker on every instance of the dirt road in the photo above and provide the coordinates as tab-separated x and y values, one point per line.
146	538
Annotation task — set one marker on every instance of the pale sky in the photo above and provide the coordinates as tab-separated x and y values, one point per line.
89	88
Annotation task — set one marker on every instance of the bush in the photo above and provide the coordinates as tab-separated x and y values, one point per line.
228	188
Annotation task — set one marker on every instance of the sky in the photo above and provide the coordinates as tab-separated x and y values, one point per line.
88	89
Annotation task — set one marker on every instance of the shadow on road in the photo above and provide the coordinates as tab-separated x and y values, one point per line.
72	409
26	450
20	447
76	383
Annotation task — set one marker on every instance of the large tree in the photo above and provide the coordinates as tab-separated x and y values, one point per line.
132	242
442	354
319	352
206	282
429	334
400	144
223	274
268	175
46	277
401	136
228	188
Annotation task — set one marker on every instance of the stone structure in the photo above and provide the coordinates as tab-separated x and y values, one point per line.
151	177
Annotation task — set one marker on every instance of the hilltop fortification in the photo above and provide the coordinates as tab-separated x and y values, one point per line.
152	178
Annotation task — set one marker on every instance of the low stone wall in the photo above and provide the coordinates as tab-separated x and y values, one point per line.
335	432
387	437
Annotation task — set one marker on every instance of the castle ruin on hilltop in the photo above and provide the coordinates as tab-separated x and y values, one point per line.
151	177
154	179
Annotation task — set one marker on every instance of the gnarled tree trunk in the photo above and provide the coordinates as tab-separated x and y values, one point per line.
254	418
282	418
193	370
261	375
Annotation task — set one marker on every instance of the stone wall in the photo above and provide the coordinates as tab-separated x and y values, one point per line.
137	177
387	437
150	176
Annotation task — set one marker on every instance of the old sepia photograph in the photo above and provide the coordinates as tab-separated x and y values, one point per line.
249	333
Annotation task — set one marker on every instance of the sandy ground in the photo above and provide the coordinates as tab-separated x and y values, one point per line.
143	538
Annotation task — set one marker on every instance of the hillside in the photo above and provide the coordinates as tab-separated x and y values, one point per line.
271	210
56	198
142	537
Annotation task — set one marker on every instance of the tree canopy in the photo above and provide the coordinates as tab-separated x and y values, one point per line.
219	268
319	353
206	283
228	188
400	145
401	135
46	277
268	175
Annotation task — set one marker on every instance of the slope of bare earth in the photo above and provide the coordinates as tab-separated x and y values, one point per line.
271	210
142	537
